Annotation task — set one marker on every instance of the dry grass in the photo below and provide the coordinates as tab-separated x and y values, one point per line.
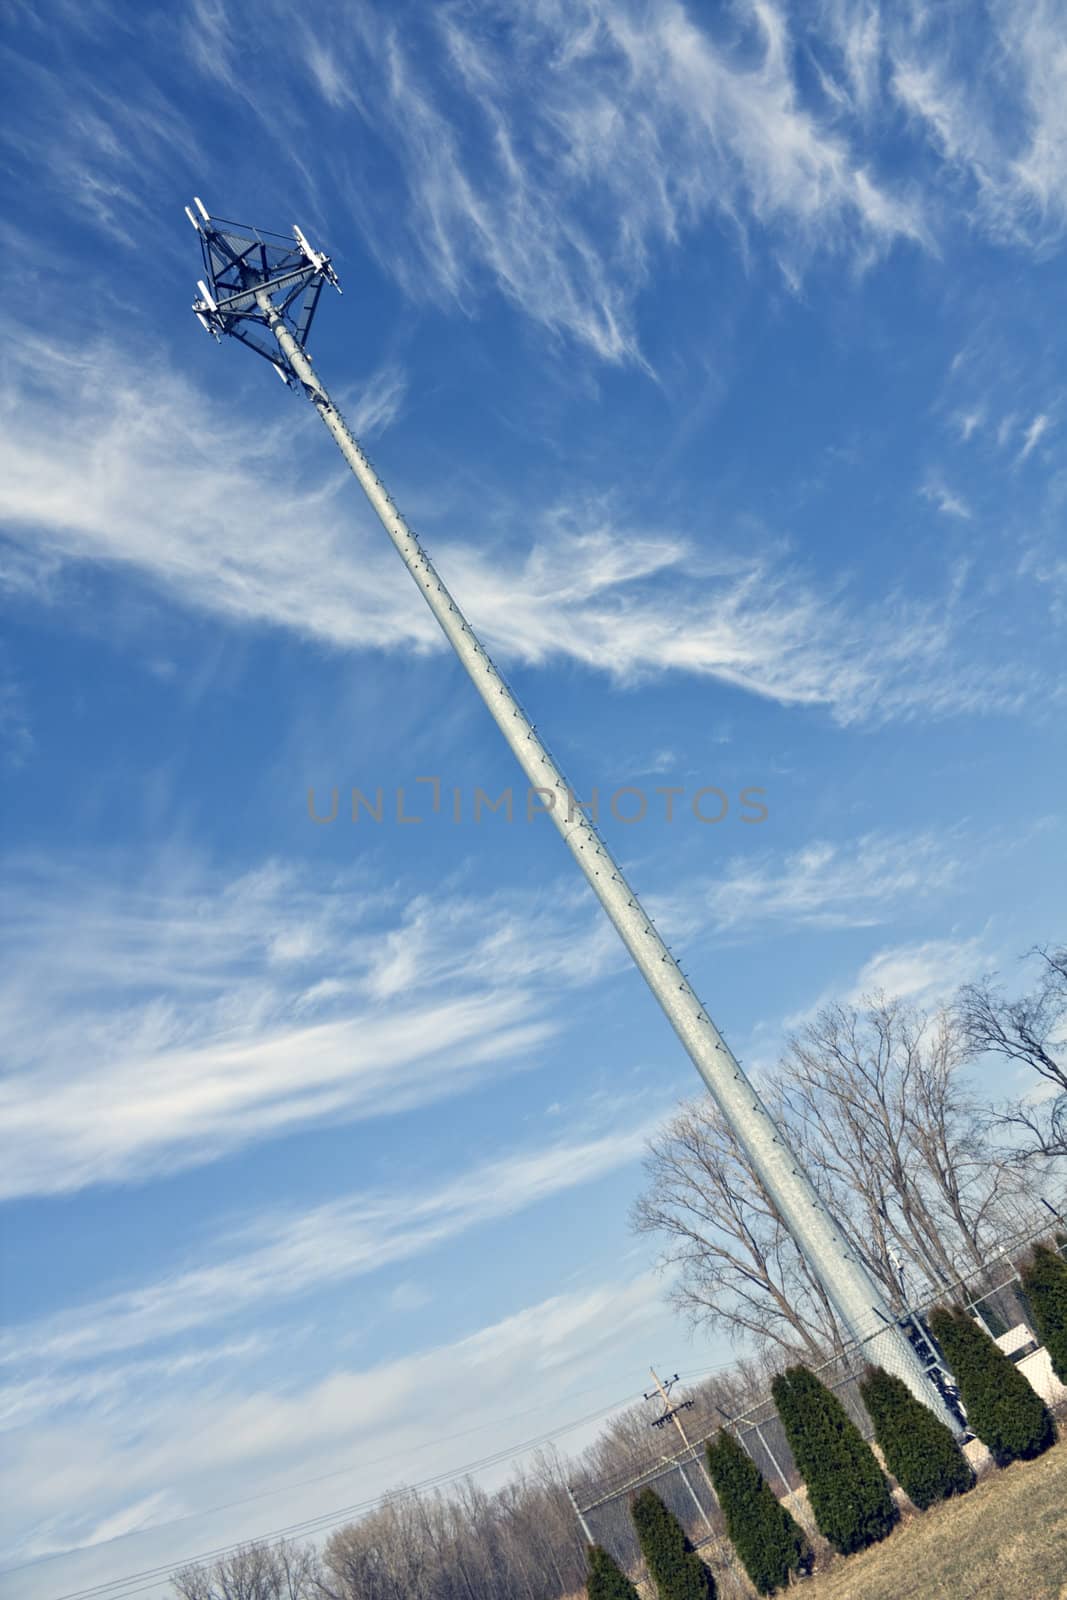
1006	1540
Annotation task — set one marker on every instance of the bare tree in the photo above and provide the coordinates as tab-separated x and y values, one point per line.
875	1099
280	1571
898	1144
384	1556
739	1270
519	1543
1031	1030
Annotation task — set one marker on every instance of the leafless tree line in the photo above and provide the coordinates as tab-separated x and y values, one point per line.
520	1542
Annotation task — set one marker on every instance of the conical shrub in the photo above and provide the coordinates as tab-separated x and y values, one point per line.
1008	1415
606	1580
769	1541
919	1451
1045	1283
847	1489
675	1568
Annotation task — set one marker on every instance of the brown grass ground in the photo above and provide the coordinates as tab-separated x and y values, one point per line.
1006	1540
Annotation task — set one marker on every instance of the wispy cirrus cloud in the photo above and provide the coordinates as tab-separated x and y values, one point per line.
161	483
16	735
928	971
922	972
208	1012
968	422
103	155
554	153
549	152
947	502
856	883
276	1259
1045	566
369	1428
988	100
1032	435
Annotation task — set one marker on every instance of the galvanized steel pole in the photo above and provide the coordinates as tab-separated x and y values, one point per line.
854	1294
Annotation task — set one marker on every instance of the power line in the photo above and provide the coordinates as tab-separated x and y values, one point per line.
203	1512
116	1587
148	1578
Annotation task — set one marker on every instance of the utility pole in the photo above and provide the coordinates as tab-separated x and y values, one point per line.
671	1414
580	1514
263	289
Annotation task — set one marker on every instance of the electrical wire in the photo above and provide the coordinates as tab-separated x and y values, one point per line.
142	1582
149	1577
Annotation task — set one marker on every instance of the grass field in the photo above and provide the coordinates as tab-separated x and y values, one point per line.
1006	1540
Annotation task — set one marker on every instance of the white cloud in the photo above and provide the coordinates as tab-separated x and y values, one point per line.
834	885
855	28
555	152
1034	433
409	1296
1044	564
374	405
948	503
16	736
171	1107
157	480
186	1004
987	99
549	151
286	1255
999	120
969	422
510	941
924	973
142	1513
101	155
929	972
30	1393
367	1429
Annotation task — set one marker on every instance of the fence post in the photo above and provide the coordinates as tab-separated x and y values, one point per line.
696	1499
772	1457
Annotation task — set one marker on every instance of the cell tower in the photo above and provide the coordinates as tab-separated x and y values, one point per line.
263	288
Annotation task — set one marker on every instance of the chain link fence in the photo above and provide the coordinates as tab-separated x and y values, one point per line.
992	1292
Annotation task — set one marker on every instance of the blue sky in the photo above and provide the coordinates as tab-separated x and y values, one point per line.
716	353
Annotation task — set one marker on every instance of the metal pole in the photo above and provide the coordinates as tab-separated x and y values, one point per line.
695	1497
773	1458
578	1512
852	1290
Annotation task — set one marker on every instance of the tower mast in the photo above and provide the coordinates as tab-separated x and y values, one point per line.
263	289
